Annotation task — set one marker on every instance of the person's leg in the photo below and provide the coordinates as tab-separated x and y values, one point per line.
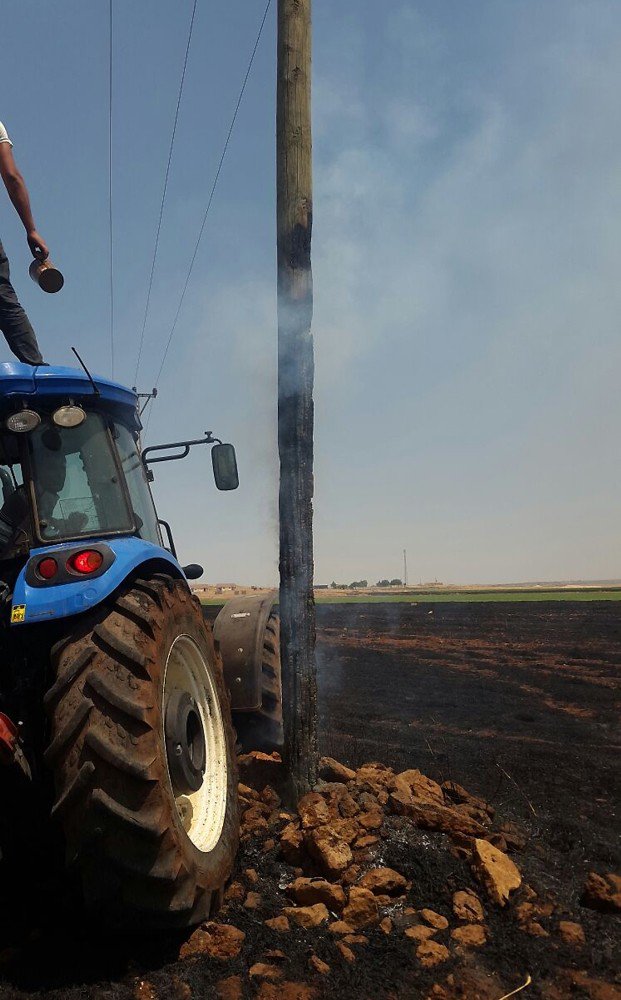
14	322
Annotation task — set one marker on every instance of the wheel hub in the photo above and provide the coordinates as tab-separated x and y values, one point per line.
185	742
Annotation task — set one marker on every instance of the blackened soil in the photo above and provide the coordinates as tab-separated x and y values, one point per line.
518	703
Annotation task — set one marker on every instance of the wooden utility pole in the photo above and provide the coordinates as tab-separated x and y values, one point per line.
295	389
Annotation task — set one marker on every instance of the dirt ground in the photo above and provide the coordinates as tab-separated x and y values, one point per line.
518	703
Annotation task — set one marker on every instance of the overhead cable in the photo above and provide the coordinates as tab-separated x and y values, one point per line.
213	189
110	215
165	188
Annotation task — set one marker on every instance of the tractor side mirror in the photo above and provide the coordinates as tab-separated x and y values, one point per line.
193	571
224	464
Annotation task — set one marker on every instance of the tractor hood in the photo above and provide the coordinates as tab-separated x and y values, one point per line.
50	385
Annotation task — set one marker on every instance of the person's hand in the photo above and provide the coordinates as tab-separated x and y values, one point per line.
38	246
76	521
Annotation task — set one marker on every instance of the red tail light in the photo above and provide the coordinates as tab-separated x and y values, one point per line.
47	568
85	562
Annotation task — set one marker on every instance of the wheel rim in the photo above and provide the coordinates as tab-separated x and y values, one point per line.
201	803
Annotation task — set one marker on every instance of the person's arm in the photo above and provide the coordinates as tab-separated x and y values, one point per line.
18	193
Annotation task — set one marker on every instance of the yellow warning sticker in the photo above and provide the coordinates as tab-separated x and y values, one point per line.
18	614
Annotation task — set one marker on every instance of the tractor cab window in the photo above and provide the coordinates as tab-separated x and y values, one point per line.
77	486
136	479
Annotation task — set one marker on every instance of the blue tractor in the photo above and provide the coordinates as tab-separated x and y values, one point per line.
115	694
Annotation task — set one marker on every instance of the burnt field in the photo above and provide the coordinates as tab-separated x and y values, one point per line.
518	703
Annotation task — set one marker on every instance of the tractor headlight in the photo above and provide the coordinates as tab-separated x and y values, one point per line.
22	422
69	416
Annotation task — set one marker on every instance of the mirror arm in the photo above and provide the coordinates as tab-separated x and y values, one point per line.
185	445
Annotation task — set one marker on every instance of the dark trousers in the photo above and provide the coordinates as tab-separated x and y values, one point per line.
14	322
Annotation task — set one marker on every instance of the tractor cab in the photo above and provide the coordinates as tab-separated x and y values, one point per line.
75	489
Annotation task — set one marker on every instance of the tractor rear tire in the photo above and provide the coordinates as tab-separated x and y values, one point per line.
147	853
263	729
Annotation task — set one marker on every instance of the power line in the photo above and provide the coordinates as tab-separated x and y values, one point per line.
159	222
213	190
110	223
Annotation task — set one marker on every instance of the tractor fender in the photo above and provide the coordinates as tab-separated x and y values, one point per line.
37	601
239	630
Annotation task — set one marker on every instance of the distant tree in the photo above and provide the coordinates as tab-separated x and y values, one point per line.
333	585
396	583
383	583
358	584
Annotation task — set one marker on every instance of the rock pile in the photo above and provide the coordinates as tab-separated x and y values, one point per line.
337	885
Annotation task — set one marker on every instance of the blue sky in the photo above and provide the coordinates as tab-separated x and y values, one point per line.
466	263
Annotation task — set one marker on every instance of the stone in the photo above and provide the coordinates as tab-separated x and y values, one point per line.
280	924
306	891
526	912
252	901
215	940
376	775
371	820
467	906
347	806
457	793
430	816
482	817
420	786
571	933
307	916
514	837
469	935
234	893
434	919
496	871
251	875
602	892
419	932
362	909
313	810
367	841
368	801
535	929
332	853
385	925
317	964
285	990
247	791
430	954
230	988
345	829
270	797
340	927
384	881
263	970
269	845
332	770
346	952
351	875
254	822
292	845
355	939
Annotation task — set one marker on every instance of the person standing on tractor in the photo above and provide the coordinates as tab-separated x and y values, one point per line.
14	322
